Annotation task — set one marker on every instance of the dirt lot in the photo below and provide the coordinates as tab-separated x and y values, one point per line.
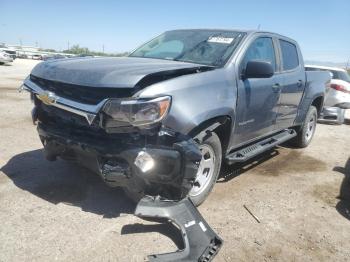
57	211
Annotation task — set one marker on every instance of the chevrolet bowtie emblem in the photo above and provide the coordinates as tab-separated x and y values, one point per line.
48	97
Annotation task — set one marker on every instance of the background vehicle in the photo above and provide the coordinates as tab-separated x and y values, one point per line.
11	54
22	56
161	121
37	57
337	97
5	58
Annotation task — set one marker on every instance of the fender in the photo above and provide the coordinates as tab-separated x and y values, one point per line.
304	107
204	130
315	87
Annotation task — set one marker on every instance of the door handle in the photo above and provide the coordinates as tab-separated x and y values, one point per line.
276	87
299	83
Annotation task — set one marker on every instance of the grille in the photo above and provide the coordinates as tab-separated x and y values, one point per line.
74	127
83	94
65	119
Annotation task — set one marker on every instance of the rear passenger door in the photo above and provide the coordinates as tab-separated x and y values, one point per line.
293	82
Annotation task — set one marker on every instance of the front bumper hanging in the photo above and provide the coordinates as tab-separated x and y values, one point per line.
200	241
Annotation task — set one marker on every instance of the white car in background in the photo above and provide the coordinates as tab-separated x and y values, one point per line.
337	97
5	58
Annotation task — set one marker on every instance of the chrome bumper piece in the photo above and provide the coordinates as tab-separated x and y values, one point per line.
332	115
89	112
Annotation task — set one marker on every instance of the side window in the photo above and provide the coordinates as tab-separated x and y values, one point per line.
261	49
335	75
290	58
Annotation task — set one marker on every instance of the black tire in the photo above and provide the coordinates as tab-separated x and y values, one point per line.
305	133
212	142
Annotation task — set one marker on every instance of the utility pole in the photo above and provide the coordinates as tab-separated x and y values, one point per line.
103	48
347	64
68	45
20	42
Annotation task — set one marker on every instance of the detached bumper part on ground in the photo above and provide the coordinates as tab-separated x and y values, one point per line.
200	241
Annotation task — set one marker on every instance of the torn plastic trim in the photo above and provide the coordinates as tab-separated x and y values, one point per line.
89	112
200	241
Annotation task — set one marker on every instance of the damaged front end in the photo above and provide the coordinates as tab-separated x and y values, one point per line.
122	140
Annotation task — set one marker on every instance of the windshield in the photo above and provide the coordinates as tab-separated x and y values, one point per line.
341	76
208	47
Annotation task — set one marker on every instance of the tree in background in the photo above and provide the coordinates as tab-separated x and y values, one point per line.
77	50
47	50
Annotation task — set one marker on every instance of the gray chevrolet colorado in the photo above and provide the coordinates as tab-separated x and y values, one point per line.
162	120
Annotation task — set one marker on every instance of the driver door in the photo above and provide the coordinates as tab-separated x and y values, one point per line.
257	97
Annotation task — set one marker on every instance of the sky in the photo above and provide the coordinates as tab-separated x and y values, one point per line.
322	28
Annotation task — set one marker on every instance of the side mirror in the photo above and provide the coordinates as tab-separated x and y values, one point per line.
258	69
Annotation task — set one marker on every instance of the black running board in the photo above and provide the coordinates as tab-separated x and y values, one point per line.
200	241
248	152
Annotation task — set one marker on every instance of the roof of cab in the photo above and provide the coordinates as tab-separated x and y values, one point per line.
247	31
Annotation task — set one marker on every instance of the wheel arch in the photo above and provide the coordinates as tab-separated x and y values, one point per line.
318	103
221	125
317	100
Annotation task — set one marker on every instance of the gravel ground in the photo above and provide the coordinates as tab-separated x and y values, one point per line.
58	211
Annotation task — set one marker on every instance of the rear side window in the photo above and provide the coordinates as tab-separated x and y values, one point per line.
261	49
290	58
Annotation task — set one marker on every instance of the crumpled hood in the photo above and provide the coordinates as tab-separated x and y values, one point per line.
123	72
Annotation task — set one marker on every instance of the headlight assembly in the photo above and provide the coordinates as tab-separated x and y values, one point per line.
138	112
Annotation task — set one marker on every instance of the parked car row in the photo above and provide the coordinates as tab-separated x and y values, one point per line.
46	57
14	55
337	97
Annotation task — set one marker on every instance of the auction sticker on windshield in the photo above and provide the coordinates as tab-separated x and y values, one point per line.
220	40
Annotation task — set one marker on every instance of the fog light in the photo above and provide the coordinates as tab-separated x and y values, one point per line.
144	161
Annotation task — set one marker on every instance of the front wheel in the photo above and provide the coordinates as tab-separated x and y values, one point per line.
209	169
307	130
207	174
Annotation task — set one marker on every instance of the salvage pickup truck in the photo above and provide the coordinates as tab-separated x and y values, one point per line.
161	121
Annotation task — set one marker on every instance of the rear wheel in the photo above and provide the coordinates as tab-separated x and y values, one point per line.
307	130
208	170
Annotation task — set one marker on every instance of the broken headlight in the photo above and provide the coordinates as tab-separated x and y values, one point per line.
138	112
